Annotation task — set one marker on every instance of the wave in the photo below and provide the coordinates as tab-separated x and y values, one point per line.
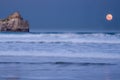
60	37
61	63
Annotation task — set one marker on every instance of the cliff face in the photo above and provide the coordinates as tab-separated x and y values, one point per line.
14	23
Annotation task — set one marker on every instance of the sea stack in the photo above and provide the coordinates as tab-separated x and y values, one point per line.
14	23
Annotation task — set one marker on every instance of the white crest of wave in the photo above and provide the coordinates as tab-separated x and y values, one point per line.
66	37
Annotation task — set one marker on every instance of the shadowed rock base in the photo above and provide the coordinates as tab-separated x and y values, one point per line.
14	23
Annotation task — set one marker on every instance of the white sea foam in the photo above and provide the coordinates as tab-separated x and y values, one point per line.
20	45
64	37
68	55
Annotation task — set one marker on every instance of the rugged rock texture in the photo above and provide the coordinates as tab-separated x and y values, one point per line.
14	23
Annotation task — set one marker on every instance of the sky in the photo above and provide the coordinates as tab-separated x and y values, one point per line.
65	15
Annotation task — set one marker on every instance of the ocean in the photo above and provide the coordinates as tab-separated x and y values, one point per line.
59	56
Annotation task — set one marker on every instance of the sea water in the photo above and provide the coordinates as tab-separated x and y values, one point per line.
59	56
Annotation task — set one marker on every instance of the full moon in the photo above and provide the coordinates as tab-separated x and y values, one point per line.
109	17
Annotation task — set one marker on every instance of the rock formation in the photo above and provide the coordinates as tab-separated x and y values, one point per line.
14	23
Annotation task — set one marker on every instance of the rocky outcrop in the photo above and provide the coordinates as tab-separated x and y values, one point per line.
14	23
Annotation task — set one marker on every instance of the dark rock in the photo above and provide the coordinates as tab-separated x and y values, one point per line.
14	23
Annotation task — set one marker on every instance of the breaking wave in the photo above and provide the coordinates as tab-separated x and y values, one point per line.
66	49
61	37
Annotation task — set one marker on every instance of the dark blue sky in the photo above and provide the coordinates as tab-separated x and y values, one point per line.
65	15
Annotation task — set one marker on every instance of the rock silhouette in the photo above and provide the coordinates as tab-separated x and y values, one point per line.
14	23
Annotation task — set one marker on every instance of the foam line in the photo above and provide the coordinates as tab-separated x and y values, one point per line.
66	37
69	55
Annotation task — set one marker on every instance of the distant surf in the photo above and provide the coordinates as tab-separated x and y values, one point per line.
82	45
60	37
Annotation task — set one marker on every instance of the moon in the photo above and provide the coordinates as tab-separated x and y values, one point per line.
109	17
